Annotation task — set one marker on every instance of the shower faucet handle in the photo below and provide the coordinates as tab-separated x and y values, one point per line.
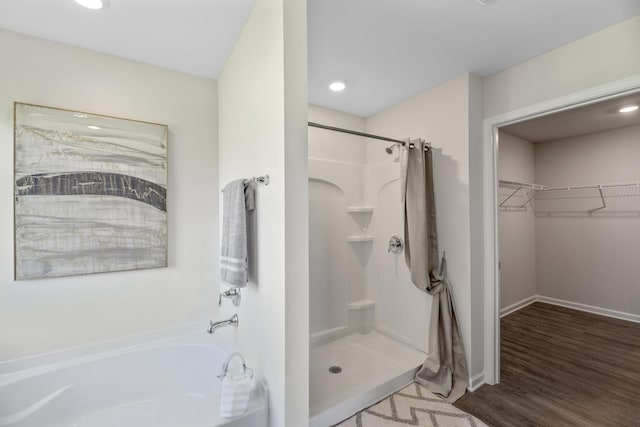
395	244
233	293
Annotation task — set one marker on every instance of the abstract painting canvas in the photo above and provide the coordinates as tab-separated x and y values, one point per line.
90	193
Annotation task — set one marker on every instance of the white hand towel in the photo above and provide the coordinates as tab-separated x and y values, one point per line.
236	389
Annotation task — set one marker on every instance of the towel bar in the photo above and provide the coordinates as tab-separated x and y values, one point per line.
264	179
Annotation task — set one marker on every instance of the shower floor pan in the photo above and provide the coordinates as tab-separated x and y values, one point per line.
367	368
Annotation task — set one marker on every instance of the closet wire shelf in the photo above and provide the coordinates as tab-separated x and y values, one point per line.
515	196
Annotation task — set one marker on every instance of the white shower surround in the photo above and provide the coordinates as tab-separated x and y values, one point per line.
354	183
359	271
163	383
366	317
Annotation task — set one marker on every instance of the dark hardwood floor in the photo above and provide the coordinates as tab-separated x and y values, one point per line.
562	367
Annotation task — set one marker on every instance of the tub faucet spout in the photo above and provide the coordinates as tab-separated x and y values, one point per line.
215	325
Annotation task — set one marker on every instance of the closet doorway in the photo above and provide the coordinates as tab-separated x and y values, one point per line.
569	239
569	209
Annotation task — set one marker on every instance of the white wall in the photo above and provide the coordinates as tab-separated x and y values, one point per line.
441	115
604	56
561	250
590	259
517	229
262	130
330	145
596	158
44	315
401	308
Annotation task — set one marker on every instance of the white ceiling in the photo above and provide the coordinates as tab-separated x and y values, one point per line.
192	36
390	50
592	118
386	50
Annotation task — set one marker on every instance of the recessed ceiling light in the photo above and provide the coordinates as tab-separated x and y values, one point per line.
92	4
94	127
80	115
628	108
337	86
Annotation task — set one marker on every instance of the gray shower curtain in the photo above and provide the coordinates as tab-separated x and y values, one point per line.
444	372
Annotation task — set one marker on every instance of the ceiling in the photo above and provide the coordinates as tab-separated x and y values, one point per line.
592	118
386	50
192	36
390	50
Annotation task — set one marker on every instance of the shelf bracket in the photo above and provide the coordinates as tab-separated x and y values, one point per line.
535	193
604	204
510	196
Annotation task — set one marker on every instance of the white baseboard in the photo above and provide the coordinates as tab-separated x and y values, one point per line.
476	381
590	309
518	305
570	304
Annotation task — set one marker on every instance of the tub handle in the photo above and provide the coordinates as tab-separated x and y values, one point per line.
245	369
233	294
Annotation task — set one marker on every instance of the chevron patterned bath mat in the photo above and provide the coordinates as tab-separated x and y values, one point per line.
412	406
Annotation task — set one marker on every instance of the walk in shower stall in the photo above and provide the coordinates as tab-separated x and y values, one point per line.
368	322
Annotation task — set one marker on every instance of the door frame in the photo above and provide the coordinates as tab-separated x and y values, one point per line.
491	126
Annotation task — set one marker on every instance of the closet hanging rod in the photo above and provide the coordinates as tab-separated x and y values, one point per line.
366	135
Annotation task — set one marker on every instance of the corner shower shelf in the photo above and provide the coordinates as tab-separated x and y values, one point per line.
359	239
359	209
362	304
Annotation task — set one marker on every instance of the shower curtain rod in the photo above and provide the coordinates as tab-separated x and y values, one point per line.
354	132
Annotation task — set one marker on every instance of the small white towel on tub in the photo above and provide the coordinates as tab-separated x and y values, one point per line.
236	390
238	197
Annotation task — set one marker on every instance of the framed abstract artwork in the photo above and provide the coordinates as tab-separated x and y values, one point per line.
90	193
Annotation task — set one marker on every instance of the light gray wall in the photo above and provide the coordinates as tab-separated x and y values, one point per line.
441	115
602	57
590	259
476	170
516	162
45	315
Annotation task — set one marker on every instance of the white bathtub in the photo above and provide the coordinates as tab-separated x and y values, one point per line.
169	383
